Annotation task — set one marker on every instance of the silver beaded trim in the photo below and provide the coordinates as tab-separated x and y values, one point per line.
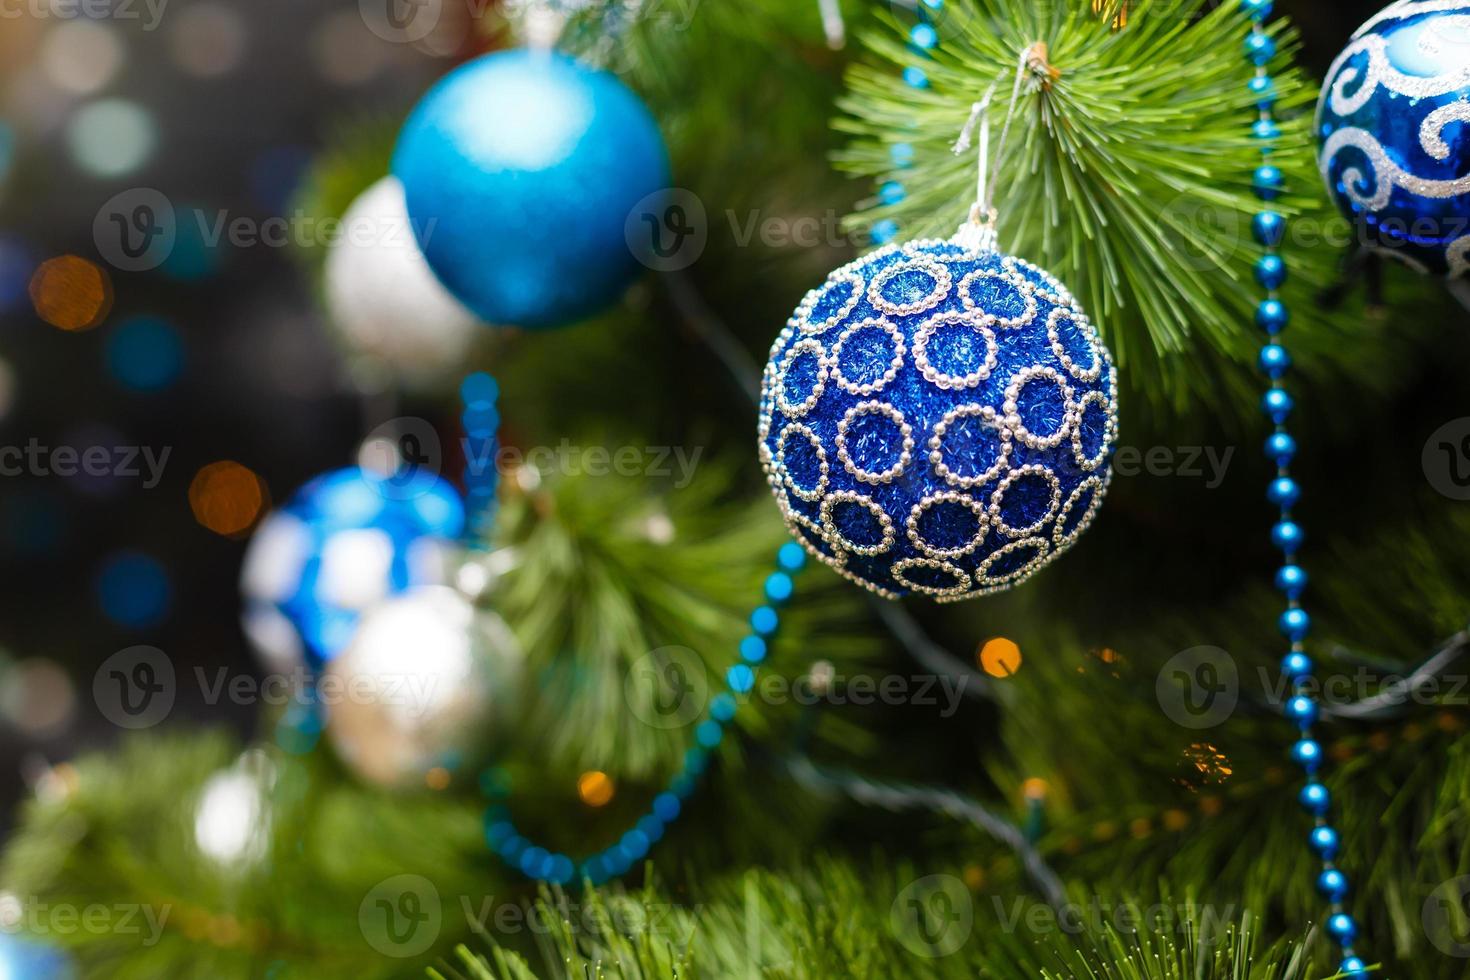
1010	278
998	497
1085	330
806	346
809	494
987	417
931	268
962	586
1070	412
1457	254
870	586
947	497
990	585
1053	292
1110	431
796	522
803	320
835	536
892	413
894	365
950	382
1097	486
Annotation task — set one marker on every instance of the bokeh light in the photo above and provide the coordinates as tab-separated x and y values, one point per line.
227	498
96	472
208	39
595	788
16	266
81	56
1000	657
111	137
37	698
134	590
145	353
71	293
192	258
346	54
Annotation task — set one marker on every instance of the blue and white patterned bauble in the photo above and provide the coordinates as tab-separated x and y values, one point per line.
938	419
521	170
341	544
1394	126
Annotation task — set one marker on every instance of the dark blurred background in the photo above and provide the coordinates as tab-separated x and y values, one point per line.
221	356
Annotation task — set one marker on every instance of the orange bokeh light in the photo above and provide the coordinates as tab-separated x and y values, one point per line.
71	293
595	788
227	498
1000	657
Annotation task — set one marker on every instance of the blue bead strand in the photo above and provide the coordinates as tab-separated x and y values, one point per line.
633	846
923	39
480	422
1269	229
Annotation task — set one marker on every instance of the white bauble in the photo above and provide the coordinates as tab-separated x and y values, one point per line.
384	299
425	683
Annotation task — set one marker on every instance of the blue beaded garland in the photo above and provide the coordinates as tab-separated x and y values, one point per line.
1353	966
1341	927
1267	182
1324	842
1274	360
1294	624
1268	227
1307	754
1271	316
1315	798
1271	271
1332	884
1264	89
1302	710
1286	535
1291	580
1296	666
1277	405
1281	447
1260	48
649	828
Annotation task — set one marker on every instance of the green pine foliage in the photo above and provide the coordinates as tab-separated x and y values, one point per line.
1127	172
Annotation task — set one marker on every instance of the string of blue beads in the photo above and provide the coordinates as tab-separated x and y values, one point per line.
542	864
923	38
1272	316
479	394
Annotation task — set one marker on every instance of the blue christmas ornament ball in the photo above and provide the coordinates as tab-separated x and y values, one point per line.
340	545
938	419
1394	126
522	169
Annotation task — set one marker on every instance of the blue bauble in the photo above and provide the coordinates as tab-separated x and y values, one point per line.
1394	123
521	170
341	544
938	419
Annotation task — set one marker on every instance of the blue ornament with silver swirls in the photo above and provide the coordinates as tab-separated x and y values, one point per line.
938	418
343	543
1394	126
523	170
